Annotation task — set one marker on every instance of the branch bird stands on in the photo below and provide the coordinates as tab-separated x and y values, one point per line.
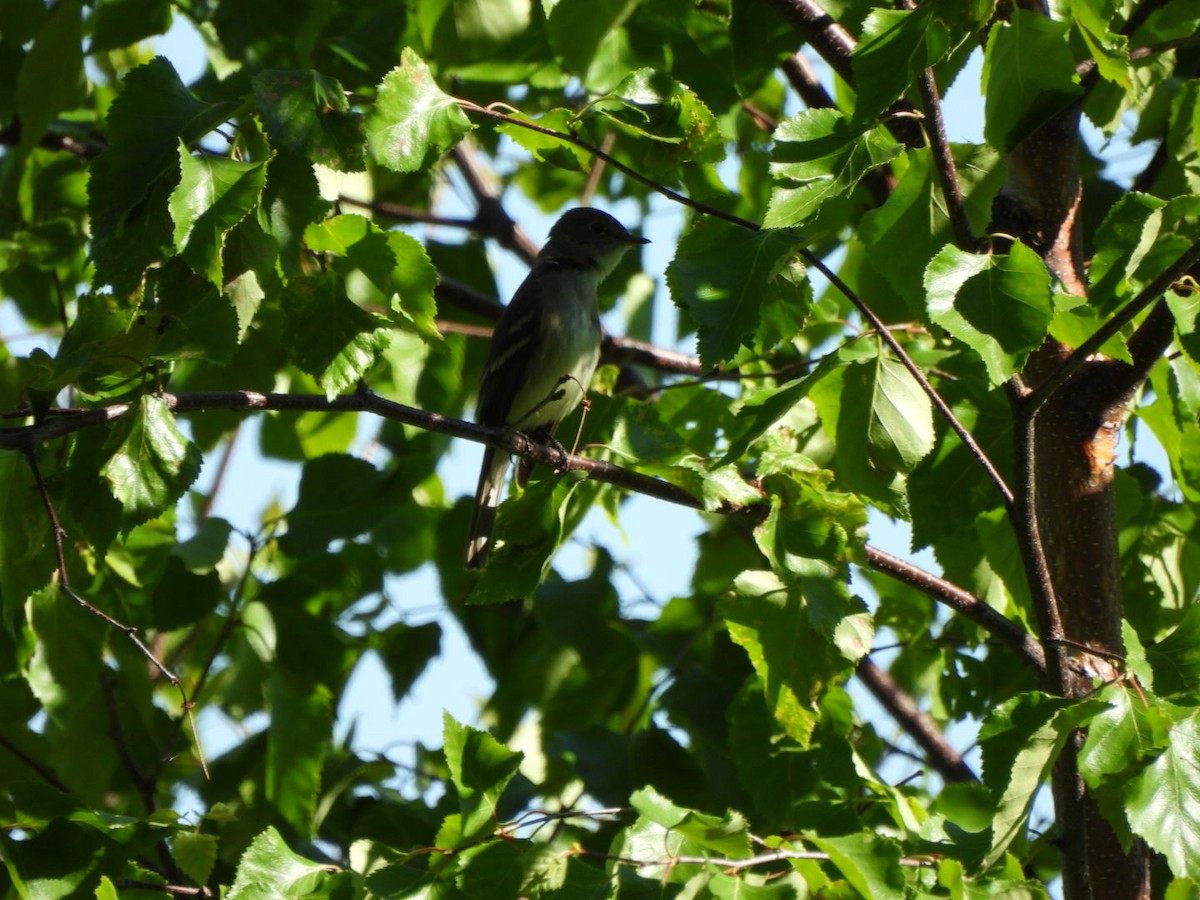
544	351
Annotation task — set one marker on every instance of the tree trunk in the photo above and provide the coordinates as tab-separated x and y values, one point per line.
1075	440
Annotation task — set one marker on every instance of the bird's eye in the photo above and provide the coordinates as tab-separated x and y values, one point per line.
597	227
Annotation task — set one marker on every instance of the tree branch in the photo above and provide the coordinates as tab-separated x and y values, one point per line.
70	421
834	44
1075	360
966	604
916	723
947	171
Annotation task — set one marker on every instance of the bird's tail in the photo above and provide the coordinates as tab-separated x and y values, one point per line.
487	498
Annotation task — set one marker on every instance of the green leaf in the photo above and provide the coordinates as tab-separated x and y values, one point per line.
405	651
269	870
297	742
26	557
393	262
999	305
340	498
547	148
195	853
898	414
531	525
65	859
1123	240
1123	735
481	767
413	121
820	155
1109	50
656	106
151	462
1163	803
811	529
190	319
214	194
720	275
1176	658
768	620
1020	741
51	79
903	234
895	48
1028	76
329	337
308	113
763	408
119	23
130	180
728	837
870	863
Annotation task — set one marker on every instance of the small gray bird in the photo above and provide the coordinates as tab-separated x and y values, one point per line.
544	350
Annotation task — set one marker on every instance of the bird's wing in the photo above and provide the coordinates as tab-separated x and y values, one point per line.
513	345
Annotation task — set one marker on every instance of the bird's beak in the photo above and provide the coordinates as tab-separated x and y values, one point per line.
638	239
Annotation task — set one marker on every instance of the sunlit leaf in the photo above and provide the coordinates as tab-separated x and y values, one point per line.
413	121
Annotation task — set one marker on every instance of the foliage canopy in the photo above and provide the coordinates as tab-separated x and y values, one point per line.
882	320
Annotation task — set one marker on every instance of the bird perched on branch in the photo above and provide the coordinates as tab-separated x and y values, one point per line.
544	350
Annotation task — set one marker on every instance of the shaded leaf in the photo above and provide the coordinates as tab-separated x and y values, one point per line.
331	338
1028	76
297	742
213	196
393	262
308	113
720	275
1020	741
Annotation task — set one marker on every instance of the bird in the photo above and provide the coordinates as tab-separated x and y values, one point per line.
544	350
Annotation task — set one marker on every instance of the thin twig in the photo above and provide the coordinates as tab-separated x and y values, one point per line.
34	763
210	498
491	218
145	786
919	376
947	171
403	213
26	443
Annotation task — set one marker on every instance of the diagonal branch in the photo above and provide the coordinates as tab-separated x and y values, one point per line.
962	602
70	421
915	722
1080	355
